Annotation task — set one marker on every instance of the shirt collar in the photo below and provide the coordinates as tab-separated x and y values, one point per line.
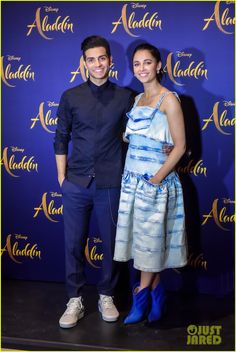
96	88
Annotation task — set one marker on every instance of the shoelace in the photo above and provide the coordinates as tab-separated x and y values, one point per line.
107	301
73	304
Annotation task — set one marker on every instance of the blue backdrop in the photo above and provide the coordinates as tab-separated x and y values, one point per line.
41	58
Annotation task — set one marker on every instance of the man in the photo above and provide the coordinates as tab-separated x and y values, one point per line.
91	115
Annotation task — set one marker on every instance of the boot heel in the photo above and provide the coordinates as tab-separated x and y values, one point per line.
158	308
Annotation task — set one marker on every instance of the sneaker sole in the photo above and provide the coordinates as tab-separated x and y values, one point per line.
68	326
109	320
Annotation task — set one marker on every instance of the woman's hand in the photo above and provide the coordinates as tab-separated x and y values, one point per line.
155	181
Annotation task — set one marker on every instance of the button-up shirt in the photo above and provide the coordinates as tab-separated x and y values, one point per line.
93	118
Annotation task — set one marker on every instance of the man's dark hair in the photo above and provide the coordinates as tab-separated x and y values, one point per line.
95	41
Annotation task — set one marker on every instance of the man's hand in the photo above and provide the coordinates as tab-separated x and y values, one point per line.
167	149
125	139
61	179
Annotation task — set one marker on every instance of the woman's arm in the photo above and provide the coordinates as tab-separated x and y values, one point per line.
172	108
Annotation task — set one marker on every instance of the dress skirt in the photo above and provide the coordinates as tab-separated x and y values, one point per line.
151	220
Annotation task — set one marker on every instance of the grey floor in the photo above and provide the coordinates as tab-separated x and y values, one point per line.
30	313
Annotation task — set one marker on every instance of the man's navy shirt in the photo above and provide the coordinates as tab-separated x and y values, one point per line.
94	118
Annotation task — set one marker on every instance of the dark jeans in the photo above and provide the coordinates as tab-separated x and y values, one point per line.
78	203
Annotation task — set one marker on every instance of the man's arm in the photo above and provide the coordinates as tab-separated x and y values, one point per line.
128	107
62	138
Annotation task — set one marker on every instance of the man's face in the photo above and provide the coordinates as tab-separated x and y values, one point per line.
97	63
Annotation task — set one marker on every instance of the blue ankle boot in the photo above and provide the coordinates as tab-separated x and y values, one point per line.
140	306
158	303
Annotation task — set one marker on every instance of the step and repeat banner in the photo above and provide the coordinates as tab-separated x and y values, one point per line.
41	58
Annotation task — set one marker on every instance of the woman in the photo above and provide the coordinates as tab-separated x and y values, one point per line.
151	227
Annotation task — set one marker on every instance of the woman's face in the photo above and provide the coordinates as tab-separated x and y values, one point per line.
145	66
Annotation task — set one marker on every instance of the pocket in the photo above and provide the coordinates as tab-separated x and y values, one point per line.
146	179
128	178
150	189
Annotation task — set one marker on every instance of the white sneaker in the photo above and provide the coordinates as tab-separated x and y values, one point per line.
107	308
73	313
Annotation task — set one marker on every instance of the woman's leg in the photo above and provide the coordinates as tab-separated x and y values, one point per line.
156	280
158	299
148	279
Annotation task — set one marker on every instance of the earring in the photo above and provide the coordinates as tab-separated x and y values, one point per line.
158	71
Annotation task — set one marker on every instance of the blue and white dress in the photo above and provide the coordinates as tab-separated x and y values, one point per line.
151	221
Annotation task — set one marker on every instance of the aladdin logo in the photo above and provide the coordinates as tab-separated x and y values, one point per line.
222	20
197	261
91	252
19	248
219	215
148	21
45	118
19	72
43	26
48	206
192	69
195	169
220	119
26	163
84	72
228	103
